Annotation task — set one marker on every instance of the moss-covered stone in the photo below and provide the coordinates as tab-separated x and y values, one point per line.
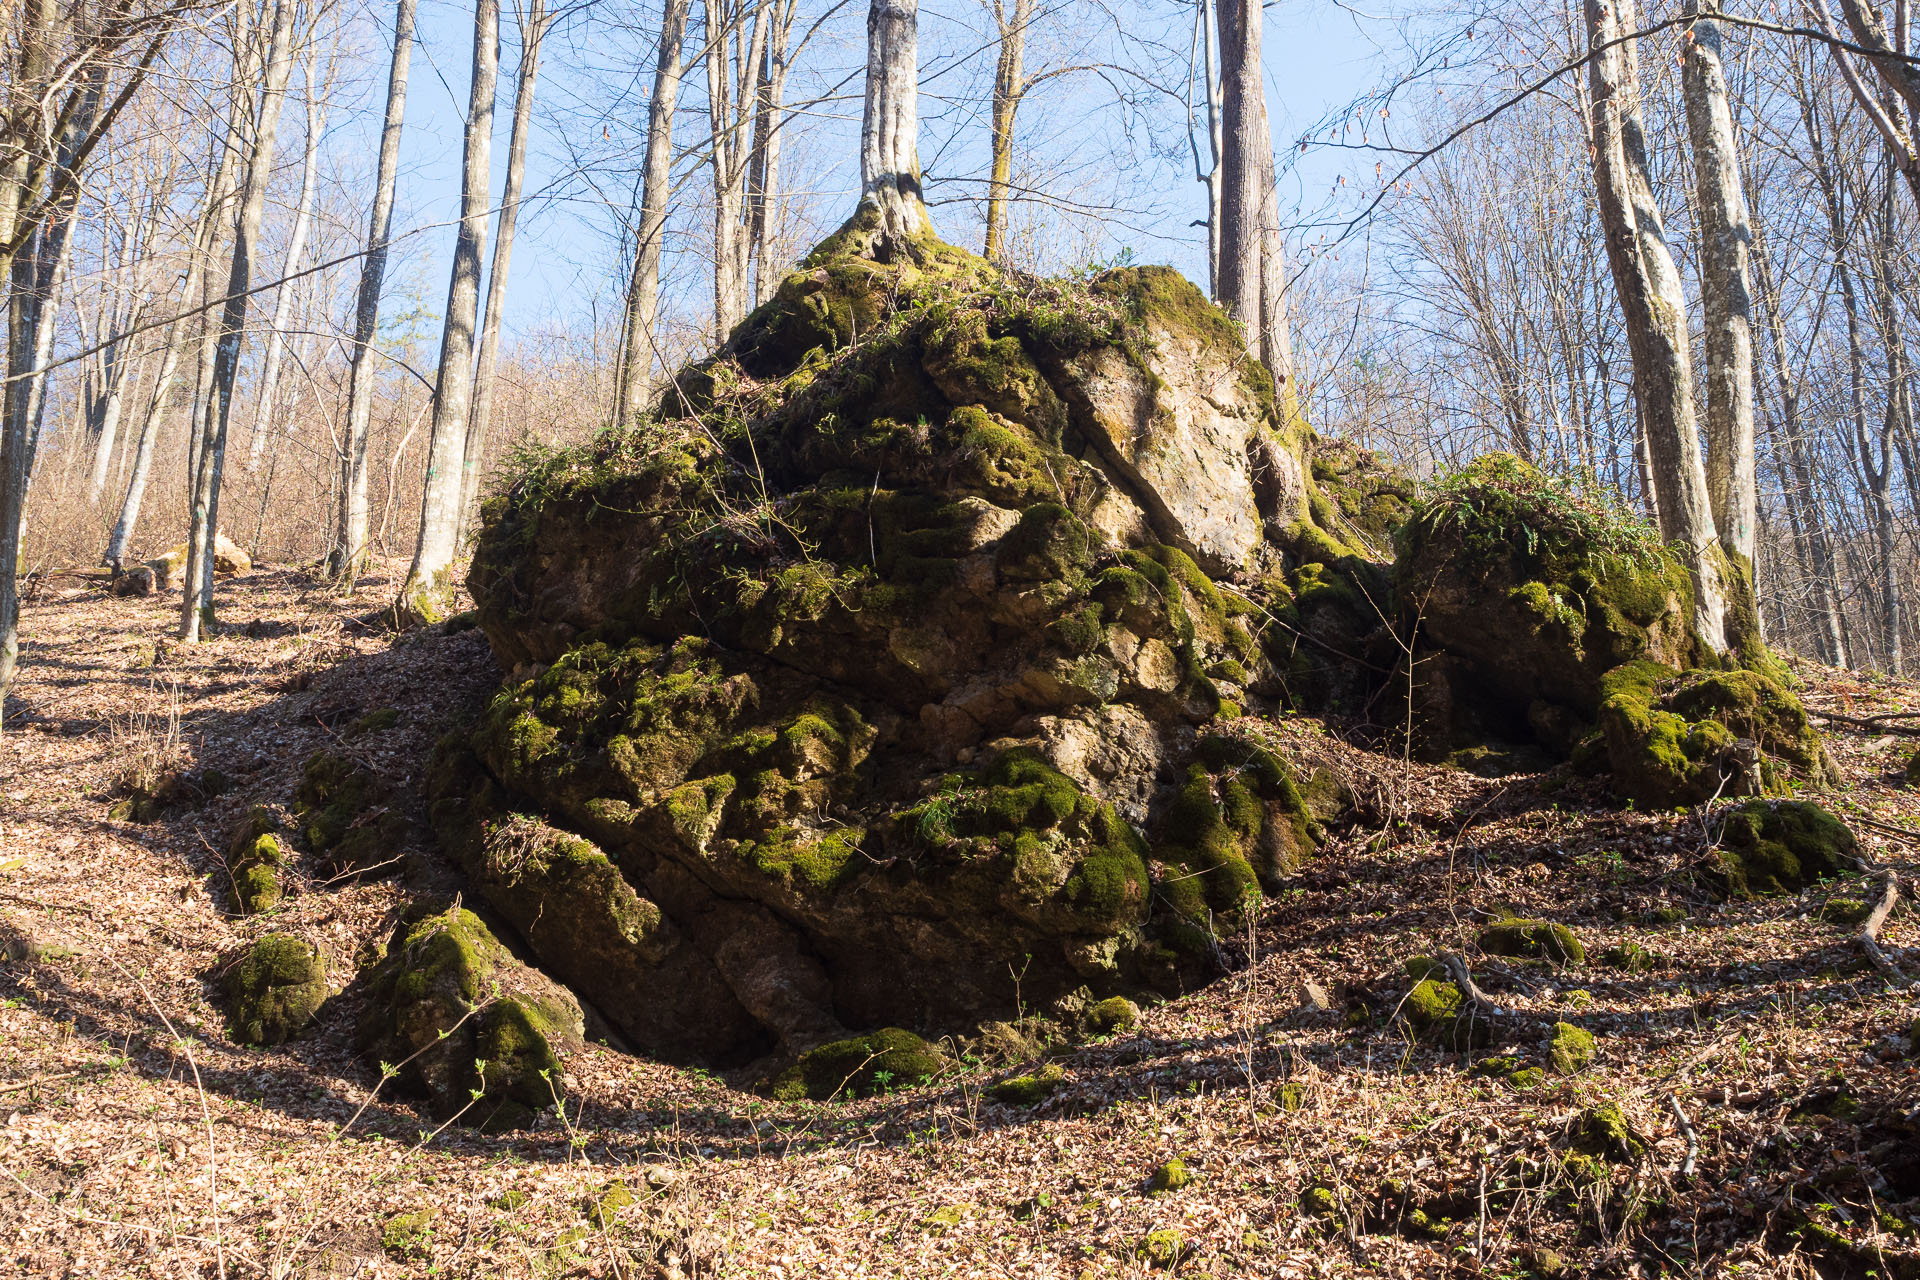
1030	1090
256	859
1168	1177
467	1026
1629	957
1602	1130
1162	1249
1844	912
1319	1202
378	720
1112	1016
1570	1049
345	815
1912	773
1532	938
409	1234
860	1066
1526	1078
1439	1011
273	989
1782	846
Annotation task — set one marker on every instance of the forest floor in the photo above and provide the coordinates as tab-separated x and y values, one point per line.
137	1140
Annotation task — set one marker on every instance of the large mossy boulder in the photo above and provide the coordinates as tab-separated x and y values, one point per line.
1782	846
898	670
858	1066
273	989
1548	615
464	1024
346	815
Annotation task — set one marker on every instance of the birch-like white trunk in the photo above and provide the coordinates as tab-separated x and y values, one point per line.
428	589
532	28
890	127
634	383
266	402
1653	306
350	530
196	582
1726	295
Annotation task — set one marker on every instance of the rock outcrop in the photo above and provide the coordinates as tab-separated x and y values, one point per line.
895	674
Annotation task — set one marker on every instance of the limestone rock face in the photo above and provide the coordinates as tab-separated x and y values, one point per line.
893	676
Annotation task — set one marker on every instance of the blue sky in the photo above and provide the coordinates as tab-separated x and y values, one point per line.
1317	57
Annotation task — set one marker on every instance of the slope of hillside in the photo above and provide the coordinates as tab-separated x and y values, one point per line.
1749	1104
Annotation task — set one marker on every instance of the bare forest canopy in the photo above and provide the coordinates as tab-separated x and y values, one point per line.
195	189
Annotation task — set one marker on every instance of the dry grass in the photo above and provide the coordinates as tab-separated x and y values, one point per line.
1762	1024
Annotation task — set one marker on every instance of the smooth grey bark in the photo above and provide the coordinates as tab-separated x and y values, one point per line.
533	27
267	399
1653	306
890	127
735	58
350	531
1251	274
1726	295
425	594
1207	172
196	581
769	132
634	381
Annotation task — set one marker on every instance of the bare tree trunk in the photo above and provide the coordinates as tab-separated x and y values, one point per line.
533	27
643	288
350	533
196	582
1206	36
1244	141
425	594
1725	294
890	127
769	130
734	60
1653	305
266	402
1009	84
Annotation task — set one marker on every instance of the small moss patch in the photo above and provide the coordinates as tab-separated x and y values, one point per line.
1532	938
1161	1250
1169	1177
1111	1016
1570	1049
861	1066
1602	1130
407	1235
1030	1090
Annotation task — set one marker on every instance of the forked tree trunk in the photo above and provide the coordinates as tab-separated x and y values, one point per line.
637	345
1653	306
425	595
735	56
890	127
1009	84
350	530
532	28
1726	295
266	401
196	582
769	130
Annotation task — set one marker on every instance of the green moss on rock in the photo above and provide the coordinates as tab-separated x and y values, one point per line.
465	1025
1112	1016
1168	1177
860	1066
1030	1090
1570	1049
1630	957
1161	1250
344	815
273	989
1602	1130
1439	1011
1782	846
1540	939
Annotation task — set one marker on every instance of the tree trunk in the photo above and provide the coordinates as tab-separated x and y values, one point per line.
890	127
1008	86
1653	306
425	594
769	129
344	561
1206	30
196	582
1244	141
634	382
532	28
734	59
1725	293
266	402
